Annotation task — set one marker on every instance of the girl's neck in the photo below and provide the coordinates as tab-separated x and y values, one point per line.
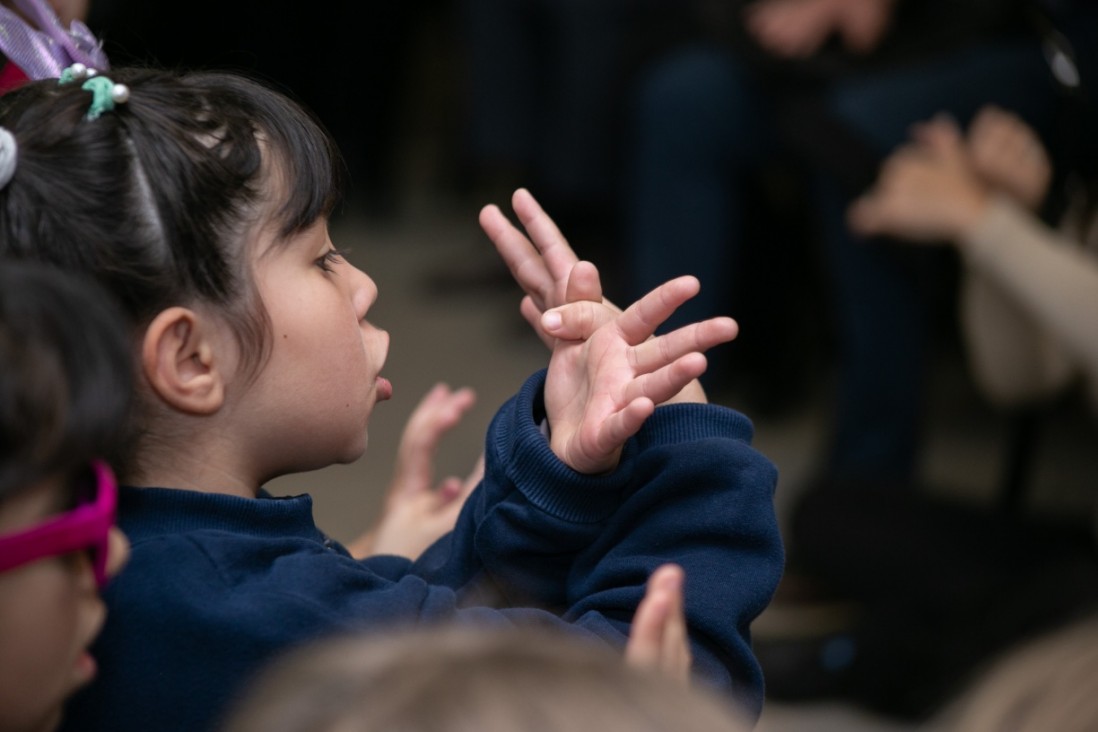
203	470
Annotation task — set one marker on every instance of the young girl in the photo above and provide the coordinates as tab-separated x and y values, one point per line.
64	388
201	200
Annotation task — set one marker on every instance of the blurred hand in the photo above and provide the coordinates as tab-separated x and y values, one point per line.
1007	154
798	28
657	639
416	512
927	191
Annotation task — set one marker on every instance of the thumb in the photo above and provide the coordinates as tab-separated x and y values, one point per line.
576	321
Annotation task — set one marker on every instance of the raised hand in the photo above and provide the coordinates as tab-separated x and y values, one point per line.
417	512
657	638
601	389
543	265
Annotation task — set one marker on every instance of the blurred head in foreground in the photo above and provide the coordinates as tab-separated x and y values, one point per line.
461	679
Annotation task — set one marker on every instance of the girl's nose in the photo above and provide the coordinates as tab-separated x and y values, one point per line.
118	551
363	293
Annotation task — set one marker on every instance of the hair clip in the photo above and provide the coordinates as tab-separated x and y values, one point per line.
105	93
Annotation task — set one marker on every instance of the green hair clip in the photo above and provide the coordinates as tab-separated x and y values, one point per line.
105	93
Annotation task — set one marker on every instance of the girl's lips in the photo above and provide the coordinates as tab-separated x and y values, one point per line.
384	389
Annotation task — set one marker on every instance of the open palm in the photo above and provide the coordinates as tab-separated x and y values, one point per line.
601	389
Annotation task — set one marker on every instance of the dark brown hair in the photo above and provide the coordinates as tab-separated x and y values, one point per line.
65	380
157	198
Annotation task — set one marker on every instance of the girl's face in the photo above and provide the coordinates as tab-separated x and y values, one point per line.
311	401
50	612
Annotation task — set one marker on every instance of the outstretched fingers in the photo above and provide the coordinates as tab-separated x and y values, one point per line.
664	383
438	412
662	350
641	319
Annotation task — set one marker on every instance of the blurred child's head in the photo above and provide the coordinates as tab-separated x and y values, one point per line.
65	385
194	195
1047	683
467	679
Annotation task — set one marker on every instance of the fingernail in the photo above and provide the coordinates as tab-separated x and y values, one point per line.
551	320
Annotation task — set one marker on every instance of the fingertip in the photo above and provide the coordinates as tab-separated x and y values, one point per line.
690	366
551	321
692	282
449	489
670	576
644	406
488	212
524	204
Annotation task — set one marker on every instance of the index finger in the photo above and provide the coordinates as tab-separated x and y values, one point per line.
519	254
641	319
555	249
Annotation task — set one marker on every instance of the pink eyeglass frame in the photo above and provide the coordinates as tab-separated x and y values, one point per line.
86	527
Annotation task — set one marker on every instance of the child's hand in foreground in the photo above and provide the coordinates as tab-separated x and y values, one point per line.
657	638
416	512
541	264
603	386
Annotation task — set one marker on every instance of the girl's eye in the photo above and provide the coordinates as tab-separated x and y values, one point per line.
330	257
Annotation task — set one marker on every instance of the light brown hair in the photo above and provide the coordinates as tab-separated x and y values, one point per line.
461	679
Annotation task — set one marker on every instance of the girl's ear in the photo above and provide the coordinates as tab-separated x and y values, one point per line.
181	361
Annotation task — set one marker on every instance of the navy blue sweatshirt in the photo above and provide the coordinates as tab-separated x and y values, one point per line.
216	585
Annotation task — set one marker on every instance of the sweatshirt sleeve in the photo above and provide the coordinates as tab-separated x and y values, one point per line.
1029	306
222	584
690	490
